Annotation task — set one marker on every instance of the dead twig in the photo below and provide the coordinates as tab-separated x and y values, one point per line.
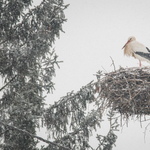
8	83
113	64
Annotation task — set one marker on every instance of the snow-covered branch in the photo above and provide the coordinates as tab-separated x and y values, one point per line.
34	136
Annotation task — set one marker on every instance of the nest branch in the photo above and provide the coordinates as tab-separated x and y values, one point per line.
126	91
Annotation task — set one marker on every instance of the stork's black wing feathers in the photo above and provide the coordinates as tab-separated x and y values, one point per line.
145	55
148	49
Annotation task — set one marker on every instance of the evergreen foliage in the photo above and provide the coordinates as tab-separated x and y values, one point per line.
107	142
27	65
27	68
70	111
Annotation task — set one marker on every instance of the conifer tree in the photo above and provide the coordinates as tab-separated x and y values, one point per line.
27	68
27	65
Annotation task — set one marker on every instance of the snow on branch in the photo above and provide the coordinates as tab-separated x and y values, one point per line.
34	136
72	106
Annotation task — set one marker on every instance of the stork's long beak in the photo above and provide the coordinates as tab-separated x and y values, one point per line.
125	44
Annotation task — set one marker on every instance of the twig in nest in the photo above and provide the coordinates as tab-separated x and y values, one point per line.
145	132
128	88
113	63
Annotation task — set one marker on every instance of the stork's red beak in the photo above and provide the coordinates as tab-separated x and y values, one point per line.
125	44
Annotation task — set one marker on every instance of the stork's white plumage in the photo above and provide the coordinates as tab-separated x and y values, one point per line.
137	50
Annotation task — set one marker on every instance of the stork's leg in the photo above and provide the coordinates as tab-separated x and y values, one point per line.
140	63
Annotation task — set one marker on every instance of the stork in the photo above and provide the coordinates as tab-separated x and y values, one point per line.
137	50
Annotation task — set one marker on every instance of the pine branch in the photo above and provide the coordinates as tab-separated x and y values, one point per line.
70	96
3	42
71	107
3	132
34	136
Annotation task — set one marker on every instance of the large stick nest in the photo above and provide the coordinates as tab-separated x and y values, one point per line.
126	91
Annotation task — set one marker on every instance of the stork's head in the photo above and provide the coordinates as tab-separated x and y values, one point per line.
130	39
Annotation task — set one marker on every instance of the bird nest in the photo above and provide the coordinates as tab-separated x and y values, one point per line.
126	91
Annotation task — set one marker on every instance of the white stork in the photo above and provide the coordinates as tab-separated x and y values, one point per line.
137	50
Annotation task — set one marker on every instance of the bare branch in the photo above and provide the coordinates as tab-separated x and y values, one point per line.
113	63
8	83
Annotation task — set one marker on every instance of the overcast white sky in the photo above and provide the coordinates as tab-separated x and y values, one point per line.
96	30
